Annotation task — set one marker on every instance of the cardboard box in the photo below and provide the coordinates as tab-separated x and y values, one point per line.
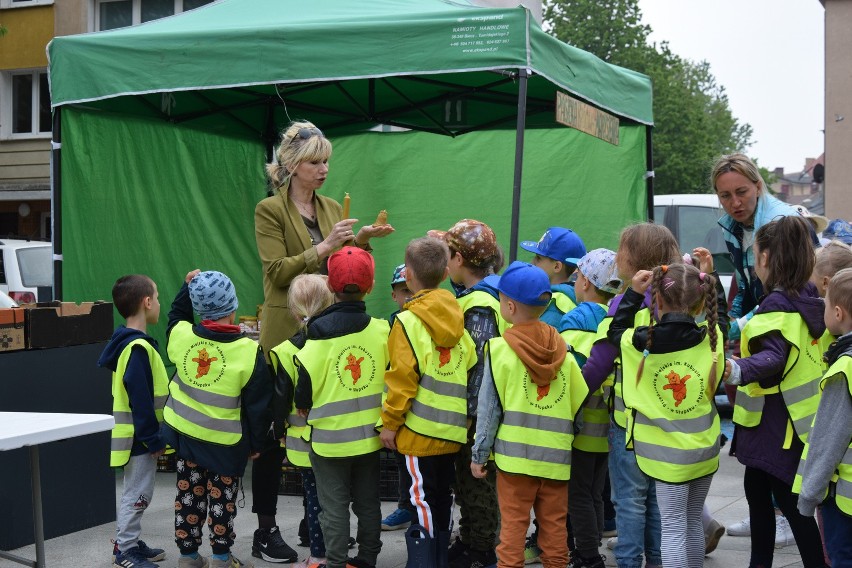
60	324
12	329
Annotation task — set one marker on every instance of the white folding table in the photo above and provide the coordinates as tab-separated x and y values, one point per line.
19	429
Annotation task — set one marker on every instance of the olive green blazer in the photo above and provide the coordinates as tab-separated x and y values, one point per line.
285	250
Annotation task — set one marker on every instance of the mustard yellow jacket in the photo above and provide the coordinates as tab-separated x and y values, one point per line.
285	250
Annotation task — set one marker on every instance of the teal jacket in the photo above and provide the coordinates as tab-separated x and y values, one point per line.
749	288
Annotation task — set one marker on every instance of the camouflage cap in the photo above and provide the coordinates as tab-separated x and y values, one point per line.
473	239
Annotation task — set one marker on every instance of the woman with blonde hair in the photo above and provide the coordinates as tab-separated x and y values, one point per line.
296	230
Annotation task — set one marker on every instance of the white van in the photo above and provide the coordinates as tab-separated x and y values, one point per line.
694	221
25	266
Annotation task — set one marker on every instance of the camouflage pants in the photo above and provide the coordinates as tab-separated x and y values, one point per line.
477	501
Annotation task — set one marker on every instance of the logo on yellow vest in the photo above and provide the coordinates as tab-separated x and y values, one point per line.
677	385
355	368
545	397
203	364
680	398
204	360
448	360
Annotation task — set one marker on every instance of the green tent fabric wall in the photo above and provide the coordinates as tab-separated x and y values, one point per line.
141	195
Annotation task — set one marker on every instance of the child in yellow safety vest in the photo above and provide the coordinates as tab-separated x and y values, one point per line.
671	370
216	414
424	416
531	393
826	467
474	261
341	370
309	295
777	382
139	389
597	283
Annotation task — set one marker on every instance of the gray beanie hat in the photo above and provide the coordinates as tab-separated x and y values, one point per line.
213	295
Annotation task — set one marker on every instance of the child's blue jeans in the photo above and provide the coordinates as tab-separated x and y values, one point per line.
635	498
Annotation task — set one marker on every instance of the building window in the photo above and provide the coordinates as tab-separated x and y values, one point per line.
26	108
113	14
23	3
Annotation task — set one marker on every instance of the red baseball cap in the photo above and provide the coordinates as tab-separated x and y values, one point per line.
351	266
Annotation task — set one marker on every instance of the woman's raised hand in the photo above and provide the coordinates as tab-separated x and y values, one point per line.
705	259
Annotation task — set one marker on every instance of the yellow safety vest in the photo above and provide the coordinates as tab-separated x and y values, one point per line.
563	301
205	392
439	409
594	431
672	422
842	477
482	299
122	434
347	378
619	416
537	430
800	384
296	448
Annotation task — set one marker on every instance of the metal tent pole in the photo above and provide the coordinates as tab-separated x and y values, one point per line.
649	172
523	75
56	201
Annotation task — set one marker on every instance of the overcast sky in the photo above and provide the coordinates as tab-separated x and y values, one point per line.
769	56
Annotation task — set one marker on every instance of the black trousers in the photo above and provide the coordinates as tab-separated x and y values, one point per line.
265	481
760	488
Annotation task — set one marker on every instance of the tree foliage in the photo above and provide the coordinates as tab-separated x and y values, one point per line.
693	122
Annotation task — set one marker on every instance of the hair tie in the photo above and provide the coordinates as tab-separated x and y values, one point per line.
664	268
644	353
687	258
305	319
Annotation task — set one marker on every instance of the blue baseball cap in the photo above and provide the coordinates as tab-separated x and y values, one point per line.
840	230
559	244
525	283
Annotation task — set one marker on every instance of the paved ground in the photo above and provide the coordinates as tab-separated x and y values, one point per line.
92	548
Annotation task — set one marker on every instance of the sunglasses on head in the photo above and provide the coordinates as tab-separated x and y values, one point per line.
305	133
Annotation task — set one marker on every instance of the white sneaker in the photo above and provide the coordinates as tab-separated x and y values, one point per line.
783	532
742	528
611	542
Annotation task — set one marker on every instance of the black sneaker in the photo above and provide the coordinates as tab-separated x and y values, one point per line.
578	561
457	554
482	559
270	546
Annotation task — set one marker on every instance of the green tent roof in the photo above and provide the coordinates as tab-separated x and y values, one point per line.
434	65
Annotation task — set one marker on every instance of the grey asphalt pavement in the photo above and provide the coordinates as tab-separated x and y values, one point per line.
92	547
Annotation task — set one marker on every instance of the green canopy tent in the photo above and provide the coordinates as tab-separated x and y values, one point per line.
160	130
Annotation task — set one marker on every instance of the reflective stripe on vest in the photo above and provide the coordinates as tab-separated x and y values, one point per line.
842	477
537	430
347	378
672	423
800	384
563	301
482	299
122	435
295	447
439	409
205	393
619	416
594	430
